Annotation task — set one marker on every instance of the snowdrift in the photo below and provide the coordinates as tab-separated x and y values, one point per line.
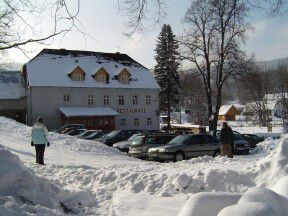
19	135
21	191
122	185
271	171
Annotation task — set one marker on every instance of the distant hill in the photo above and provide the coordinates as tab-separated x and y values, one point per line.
272	64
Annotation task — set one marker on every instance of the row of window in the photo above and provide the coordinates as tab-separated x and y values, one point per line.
121	99
136	122
101	76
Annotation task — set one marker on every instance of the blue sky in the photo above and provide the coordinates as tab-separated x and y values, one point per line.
269	40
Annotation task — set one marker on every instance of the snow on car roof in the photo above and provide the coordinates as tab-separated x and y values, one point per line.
87	111
11	86
50	68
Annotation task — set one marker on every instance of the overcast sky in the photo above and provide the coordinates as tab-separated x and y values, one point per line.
269	40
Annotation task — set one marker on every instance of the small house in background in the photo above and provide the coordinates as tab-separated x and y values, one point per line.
228	113
12	96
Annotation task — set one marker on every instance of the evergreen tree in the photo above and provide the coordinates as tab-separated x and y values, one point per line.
166	69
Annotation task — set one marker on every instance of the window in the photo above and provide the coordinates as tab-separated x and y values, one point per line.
136	122
148	99
66	98
123	122
101	78
124	76
77	77
149	121
90	100
106	100
77	74
124	79
135	100
121	100
197	139
153	140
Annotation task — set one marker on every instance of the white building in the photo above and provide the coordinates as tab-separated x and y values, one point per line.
100	90
12	96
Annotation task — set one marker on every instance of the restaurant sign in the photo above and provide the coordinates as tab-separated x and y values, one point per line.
127	111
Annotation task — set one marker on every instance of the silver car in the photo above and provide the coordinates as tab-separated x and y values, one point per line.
141	144
124	145
186	147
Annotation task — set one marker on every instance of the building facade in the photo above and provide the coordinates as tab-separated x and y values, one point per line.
100	90
12	96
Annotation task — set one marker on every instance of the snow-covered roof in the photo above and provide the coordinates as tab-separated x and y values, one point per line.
11	86
50	68
239	107
224	109
87	111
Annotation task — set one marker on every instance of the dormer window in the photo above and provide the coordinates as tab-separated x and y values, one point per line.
77	74
101	76
124	79
124	76
77	77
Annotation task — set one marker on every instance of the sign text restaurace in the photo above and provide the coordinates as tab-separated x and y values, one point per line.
123	111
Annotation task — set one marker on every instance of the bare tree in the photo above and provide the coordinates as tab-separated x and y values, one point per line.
137	11
30	21
212	44
255	85
192	97
277	7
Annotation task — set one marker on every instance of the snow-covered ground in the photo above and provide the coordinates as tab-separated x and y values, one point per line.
88	178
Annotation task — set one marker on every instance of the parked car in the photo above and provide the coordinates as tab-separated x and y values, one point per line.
116	136
252	139
186	147
95	135
86	133
75	132
241	146
141	144
124	145
67	127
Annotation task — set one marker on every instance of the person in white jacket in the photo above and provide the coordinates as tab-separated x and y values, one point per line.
39	140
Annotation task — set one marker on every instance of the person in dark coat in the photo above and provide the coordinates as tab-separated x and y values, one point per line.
39	140
227	140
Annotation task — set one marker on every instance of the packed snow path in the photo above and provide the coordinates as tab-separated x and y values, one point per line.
113	178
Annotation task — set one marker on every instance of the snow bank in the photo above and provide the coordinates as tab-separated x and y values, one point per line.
274	166
79	166
208	203
19	184
271	170
127	203
281	186
258	201
17	138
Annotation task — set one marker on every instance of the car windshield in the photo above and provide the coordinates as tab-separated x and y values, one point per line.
88	133
181	139
77	132
112	134
83	133
138	140
133	137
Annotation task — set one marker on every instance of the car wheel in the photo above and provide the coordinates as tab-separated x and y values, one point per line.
216	153
247	152
178	157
